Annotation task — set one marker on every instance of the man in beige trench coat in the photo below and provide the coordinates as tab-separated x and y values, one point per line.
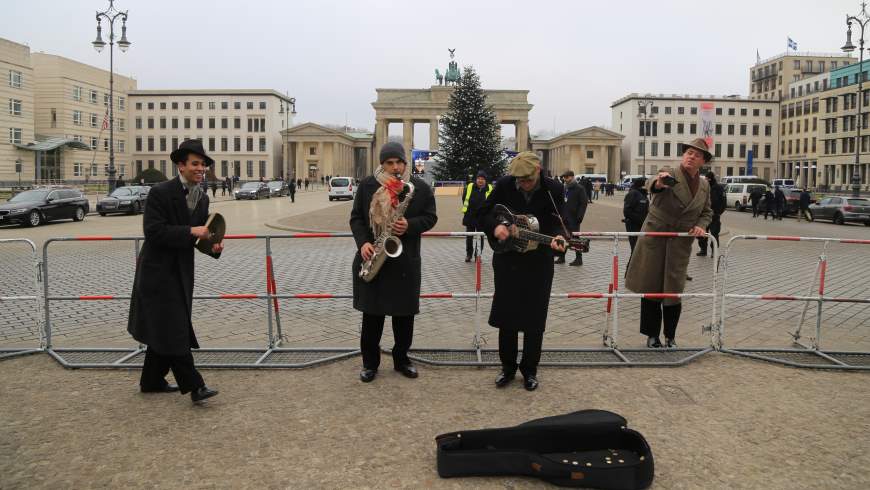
659	265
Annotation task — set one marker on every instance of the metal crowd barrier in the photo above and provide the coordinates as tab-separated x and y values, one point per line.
8	351
812	356
275	355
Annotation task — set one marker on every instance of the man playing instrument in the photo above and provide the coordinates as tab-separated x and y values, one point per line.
523	280
395	290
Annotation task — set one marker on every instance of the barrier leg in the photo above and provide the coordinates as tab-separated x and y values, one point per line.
478	340
615	282
822	263
272	289
269	294
46	296
606	338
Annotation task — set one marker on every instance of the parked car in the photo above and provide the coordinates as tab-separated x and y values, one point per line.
737	195
253	190
36	206
341	188
128	199
793	200
743	179
842	210
278	188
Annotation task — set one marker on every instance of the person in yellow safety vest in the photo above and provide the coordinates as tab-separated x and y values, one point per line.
475	193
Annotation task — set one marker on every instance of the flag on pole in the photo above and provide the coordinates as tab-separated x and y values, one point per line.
105	121
792	44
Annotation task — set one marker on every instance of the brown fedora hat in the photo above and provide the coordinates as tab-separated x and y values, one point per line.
701	145
190	146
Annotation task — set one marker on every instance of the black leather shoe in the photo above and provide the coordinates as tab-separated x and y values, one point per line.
653	342
560	260
408	371
167	388
503	379
367	375
577	261
671	343
202	393
701	254
468	258
531	383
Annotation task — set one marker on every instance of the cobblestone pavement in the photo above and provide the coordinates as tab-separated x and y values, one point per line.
324	266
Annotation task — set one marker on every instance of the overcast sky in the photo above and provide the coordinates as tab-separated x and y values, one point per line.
575	57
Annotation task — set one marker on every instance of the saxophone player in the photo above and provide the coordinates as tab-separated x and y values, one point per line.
395	291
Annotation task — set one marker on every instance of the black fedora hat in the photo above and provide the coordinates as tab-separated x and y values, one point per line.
190	146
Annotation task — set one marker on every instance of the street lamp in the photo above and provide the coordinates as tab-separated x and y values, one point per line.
110	15
291	109
645	117
862	20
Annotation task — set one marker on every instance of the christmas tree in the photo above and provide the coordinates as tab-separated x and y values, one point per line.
470	138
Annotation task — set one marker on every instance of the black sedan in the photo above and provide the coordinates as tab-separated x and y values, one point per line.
253	190
36	206
842	210
278	188
128	199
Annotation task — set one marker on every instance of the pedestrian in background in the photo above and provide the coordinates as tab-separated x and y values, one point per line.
596	187
223	187
804	201
291	189
718	203
768	204
778	202
755	199
634	209
475	194
306	184
574	211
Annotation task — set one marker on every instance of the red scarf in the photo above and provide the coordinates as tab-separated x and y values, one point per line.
394	187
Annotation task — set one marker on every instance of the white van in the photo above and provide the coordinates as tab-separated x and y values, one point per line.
784	183
629	179
737	195
744	179
341	188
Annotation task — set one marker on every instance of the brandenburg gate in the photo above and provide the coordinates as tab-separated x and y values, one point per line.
410	106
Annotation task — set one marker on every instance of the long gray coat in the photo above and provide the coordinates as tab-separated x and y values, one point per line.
659	265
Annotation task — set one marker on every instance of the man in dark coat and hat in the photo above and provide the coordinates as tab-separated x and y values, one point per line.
475	193
575	209
395	290
160	306
523	279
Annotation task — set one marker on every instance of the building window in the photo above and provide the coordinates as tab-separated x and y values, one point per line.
150	163
717	151
77	169
693	128
667	110
694	111
163	106
262	169
224	167
263	144
93	170
93	96
590	154
731	129
742	130
15	79
237	144
756	112
250	144
93	142
77	93
187	106
199	106
681	110
311	151
742	150
212	106
163	167
237	105
640	149
237	123
263	106
151	106
163	143
15	135
767	152
174	123
731	111
199	123
174	143
718	111
249	105
680	128
174	106
162	123
150	143
225	144
105	144
77	118
654	149
122	146
768	130
225	105
730	153
150	123
186	123
138	106
768	112
105	100
666	150
224	123
211	144
718	129
250	168
14	107
138	143
211	123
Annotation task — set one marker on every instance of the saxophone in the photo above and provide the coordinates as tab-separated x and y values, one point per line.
387	244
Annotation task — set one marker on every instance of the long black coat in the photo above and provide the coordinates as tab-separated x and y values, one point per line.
576	201
396	289
523	280
162	297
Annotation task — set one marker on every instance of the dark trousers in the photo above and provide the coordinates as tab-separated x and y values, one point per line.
632	240
292	197
370	339
508	341
755	212
714	229
469	241
652	313
157	366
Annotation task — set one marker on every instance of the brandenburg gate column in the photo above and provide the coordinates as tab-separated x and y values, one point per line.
381	134
433	134
522	135
408	138
301	171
